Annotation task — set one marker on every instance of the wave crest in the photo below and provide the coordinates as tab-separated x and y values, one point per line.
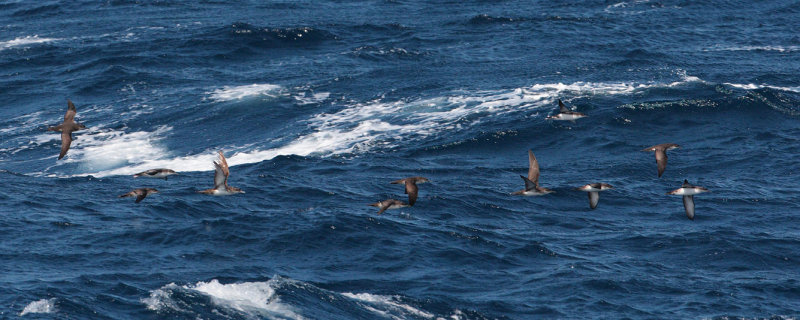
40	306
227	93
24	41
248	298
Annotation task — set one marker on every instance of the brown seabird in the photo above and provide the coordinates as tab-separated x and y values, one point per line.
66	128
140	193
388	204
221	172
411	187
532	187
661	155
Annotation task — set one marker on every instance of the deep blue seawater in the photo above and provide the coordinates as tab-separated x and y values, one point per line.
320	104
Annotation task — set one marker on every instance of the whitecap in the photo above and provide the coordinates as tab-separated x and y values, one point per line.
250	298
311	98
106	148
23	41
754	48
240	92
387	306
40	306
752	86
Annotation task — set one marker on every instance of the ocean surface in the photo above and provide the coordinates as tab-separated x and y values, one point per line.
318	105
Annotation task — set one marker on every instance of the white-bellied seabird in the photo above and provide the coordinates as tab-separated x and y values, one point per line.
221	172
156	173
688	191
565	114
593	189
532	187
388	204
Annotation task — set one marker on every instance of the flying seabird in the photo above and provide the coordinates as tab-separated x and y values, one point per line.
661	155
565	114
66	128
593	189
389	204
532	187
155	173
140	193
411	187
688	191
221	172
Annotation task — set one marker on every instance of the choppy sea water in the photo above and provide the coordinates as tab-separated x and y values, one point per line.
319	105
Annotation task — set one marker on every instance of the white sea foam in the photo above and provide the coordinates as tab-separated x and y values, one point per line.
754	48
354	129
752	86
104	148
387	306
621	6
250	298
24	41
40	306
240	92
23	122
309	98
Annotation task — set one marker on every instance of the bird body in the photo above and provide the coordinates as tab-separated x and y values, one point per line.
532	187
221	172
661	155
565	113
594	192
389	204
66	128
140	193
411	187
156	173
688	191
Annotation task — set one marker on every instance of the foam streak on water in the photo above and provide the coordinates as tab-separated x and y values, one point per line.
246	91
25	41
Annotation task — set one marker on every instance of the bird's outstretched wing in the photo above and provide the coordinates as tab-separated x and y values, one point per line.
66	141
71	111
533	168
